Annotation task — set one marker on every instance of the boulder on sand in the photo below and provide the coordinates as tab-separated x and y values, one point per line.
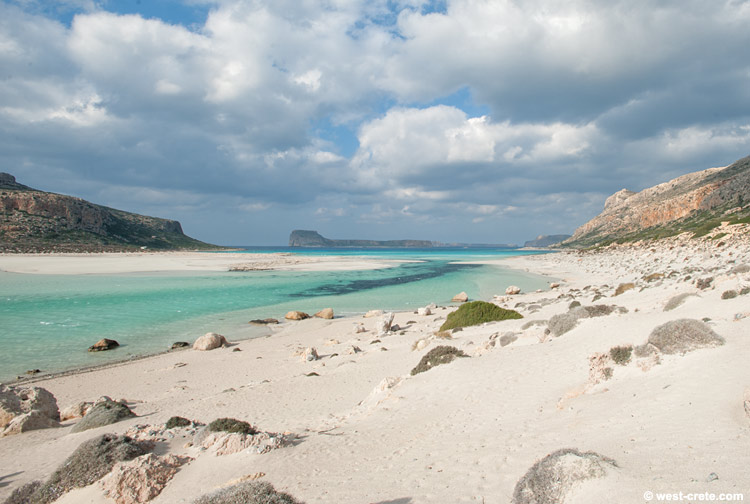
32	420
209	341
512	290
15	403
325	313
141	479
103	344
460	298
296	315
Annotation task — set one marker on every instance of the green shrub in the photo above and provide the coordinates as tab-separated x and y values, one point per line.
231	425
438	355
90	462
248	492
621	354
177	421
477	312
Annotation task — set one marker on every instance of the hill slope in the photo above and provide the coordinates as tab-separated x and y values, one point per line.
38	221
696	202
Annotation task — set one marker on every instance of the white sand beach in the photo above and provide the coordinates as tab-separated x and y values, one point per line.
154	262
360	429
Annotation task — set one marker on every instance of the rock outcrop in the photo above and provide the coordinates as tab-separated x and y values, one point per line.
303	238
38	221
693	202
210	341
27	408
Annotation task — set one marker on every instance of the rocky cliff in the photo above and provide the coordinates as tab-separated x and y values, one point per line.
696	202
38	221
303	238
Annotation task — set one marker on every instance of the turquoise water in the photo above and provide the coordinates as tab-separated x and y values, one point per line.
48	321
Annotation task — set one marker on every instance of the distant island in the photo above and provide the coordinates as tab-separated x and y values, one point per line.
306	238
34	221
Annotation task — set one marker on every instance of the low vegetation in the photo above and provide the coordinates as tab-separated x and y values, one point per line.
249	492
437	356
90	462
177	421
551	478
676	301
621	354
624	287
231	425
477	312
683	335
730	294
104	413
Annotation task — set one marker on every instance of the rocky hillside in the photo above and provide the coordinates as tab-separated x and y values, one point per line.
38	221
696	202
543	241
303	238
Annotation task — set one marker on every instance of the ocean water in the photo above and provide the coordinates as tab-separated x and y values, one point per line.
47	322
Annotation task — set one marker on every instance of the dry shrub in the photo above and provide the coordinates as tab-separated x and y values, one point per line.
437	356
676	301
653	276
443	335
730	294
177	421
683	335
104	413
248	492
90	462
624	287
550	479
621	354
704	283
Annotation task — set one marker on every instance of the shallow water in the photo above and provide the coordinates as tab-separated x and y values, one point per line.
48	321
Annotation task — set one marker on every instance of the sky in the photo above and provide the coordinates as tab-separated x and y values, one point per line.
457	121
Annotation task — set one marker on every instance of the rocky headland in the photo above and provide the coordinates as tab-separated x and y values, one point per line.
38	221
697	202
305	238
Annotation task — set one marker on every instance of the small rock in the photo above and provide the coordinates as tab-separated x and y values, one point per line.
424	311
384	325
103	344
310	354
746	404
512	290
354	350
712	477
461	297
554	285
179	344
325	313
77	410
373	313
359	328
267	321
331	342
33	372
210	341
296	315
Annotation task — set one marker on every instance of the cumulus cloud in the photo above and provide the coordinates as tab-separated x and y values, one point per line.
246	110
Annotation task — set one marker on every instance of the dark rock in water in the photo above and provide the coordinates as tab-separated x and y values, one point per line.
180	344
264	321
33	371
105	413
103	344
